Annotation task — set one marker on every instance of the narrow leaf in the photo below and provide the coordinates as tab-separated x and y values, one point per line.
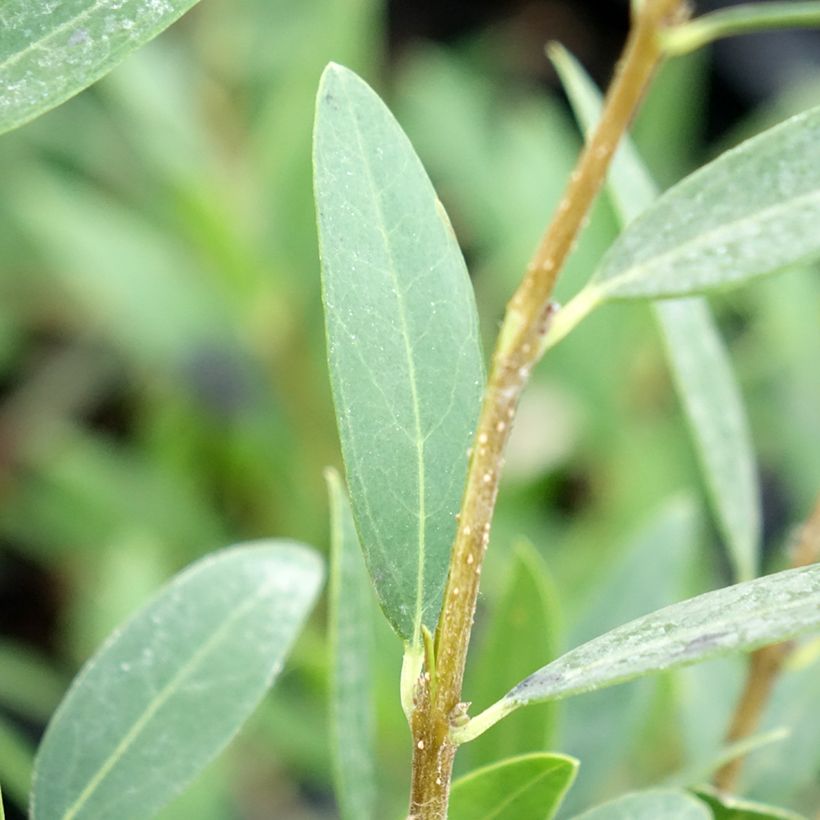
752	211
168	691
725	807
351	647
650	805
529	787
733	619
405	362
51	51
2	810
697	357
522	633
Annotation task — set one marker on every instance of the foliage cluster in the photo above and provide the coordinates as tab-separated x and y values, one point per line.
162	346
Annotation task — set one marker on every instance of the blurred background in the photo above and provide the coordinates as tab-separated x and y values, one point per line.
163	390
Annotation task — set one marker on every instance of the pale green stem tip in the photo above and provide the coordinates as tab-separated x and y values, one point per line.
411	666
739	20
572	314
484	720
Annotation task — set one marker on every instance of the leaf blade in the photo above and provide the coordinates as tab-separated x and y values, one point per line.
50	53
737	618
528	787
698	359
185	672
403	347
351	640
649	805
750	212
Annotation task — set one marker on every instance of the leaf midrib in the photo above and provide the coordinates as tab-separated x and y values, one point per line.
614	282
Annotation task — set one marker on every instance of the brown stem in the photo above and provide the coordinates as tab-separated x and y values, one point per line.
765	665
519	347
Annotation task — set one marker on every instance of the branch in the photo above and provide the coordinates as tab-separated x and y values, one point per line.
519	347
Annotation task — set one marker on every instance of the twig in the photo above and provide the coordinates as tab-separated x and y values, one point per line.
519	346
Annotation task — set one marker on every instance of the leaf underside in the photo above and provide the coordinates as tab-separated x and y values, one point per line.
402	332
51	51
752	211
737	618
168	690
351	650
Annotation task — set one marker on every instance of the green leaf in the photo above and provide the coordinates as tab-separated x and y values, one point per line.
650	805
733	619
725	807
51	51
351	648
168	691
706	384
696	354
2	810
521	634
405	362
752	211
529	787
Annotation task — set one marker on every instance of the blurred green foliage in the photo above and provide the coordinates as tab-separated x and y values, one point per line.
165	391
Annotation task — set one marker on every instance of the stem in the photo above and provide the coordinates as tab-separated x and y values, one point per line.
765	665
740	20
520	345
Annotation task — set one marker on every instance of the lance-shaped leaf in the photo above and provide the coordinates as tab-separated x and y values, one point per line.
529	787
650	805
697	356
168	691
521	634
51	51
752	211
351	647
736	618
405	362
725	807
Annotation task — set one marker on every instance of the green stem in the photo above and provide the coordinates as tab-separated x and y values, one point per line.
739	20
570	316
483	720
